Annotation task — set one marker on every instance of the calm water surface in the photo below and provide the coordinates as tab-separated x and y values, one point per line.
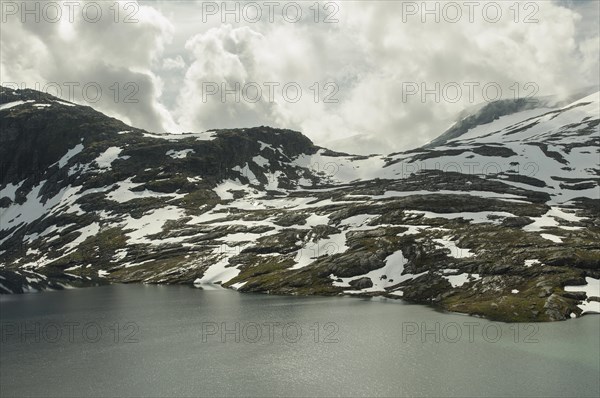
132	340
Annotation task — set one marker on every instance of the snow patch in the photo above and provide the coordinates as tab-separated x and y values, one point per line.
553	238
591	289
529	263
388	275
179	154
70	153
455	251
13	104
461	279
334	244
104	161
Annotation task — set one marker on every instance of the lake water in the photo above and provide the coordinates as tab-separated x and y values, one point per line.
132	340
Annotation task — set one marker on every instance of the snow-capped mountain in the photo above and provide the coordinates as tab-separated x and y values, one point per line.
498	217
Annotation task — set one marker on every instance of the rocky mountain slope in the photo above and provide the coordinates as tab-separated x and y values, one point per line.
498	218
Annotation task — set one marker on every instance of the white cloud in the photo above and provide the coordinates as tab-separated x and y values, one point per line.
370	54
118	58
173	63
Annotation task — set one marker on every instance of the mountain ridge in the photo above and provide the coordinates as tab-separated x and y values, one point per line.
88	200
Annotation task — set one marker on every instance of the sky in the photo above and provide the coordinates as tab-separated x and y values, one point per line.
359	77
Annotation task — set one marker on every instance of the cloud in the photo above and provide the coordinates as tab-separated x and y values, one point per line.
371	56
173	63
354	75
107	65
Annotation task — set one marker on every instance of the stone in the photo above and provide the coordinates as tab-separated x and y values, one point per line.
361	283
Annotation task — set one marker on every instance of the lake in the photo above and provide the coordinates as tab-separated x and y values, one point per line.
132	340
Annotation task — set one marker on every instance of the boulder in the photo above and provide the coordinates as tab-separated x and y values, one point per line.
361	283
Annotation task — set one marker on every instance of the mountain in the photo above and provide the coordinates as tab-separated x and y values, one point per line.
497	218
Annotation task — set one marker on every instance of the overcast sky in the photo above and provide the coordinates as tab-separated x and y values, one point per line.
369	62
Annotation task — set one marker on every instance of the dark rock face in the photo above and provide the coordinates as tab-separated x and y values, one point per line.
516	222
557	308
575	295
88	200
361	283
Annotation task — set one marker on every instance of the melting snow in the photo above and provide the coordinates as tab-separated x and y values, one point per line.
218	272
529	263
70	153
553	238
461	279
591	289
123	193
455	251
151	223
388	275
484	194
179	154
238	285
10	190
204	136
550	219
64	103
476	217
13	104
105	159
223	188
85	233
334	244
259	160
246	172
343	169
